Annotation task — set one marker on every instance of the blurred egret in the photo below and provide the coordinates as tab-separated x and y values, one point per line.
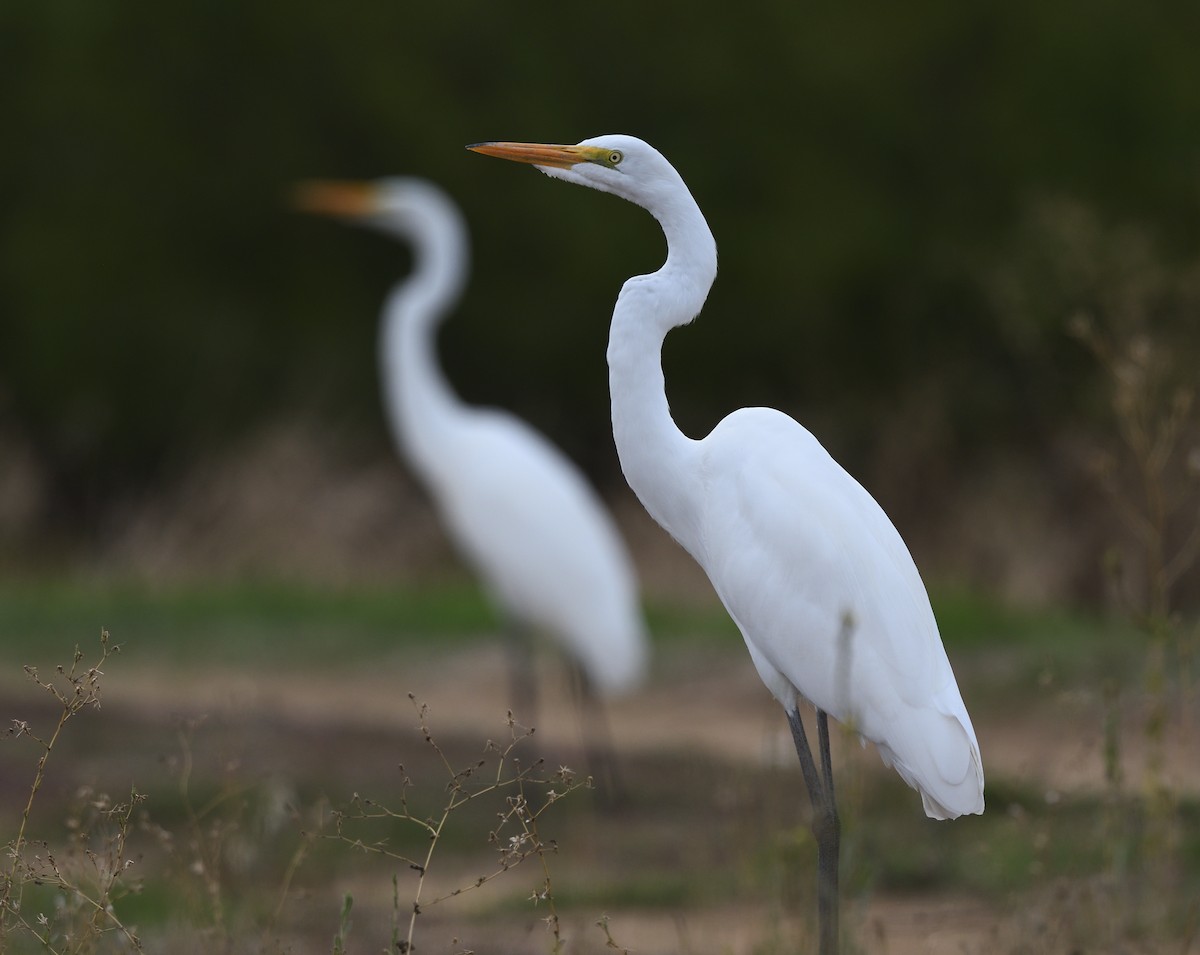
797	550
519	511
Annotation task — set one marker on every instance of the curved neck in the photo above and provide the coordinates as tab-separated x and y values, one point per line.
420	403
655	455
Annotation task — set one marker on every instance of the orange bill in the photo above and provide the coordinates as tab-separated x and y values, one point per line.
540	154
335	198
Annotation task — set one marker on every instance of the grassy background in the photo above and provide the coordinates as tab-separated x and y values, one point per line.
709	842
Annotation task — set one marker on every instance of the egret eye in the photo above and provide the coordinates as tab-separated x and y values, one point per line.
615	157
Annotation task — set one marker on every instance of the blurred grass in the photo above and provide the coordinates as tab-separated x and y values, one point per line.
243	622
246	621
251	621
1003	656
755	844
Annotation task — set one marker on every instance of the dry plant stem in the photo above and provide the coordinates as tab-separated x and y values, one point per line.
100	905
529	824
102	912
609	941
208	863
516	849
458	797
289	874
207	846
435	833
435	829
12	884
1157	501
85	691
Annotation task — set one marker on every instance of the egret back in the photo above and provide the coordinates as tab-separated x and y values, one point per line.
537	534
830	602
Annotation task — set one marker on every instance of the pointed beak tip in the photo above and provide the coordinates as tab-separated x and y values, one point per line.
534	154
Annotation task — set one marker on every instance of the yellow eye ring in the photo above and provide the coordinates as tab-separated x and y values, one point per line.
615	157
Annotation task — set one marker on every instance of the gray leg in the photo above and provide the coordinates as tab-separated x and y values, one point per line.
825	825
522	678
598	747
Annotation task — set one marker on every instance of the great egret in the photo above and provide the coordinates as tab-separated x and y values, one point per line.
519	511
797	550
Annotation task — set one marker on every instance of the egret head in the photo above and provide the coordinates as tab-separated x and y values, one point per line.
407	207
622	165
636	171
413	210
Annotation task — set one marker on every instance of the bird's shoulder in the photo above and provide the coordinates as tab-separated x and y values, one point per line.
762	450
504	462
505	440
782	516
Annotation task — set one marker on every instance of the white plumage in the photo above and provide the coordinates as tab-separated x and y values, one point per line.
791	542
518	510
789	575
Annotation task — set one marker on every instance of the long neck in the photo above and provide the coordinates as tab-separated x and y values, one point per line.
419	402
655	455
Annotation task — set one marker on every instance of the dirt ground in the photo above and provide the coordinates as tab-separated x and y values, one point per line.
714	705
701	704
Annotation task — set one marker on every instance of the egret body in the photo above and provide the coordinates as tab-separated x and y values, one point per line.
521	514
810	568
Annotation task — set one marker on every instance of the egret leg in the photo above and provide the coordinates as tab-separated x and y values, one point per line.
522	678
598	749
825	825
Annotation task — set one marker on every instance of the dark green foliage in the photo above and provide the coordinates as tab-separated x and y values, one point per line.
866	173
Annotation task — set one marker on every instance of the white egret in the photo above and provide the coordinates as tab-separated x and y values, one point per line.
520	512
792	543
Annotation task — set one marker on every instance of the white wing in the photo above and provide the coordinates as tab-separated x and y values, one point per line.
792	544
536	532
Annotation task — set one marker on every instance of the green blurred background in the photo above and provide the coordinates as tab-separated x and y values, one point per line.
910	202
